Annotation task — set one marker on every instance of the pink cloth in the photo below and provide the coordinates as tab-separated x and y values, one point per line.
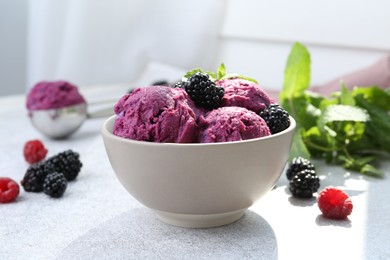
377	74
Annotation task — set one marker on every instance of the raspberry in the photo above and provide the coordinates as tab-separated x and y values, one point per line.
203	91
276	117
67	162
9	190
334	203
304	184
55	184
34	151
298	164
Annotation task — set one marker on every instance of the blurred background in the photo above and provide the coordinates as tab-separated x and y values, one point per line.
97	42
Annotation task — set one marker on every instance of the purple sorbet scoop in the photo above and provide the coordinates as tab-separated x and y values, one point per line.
53	94
157	114
228	124
244	93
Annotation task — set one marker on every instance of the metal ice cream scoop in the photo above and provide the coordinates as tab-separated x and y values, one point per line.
60	123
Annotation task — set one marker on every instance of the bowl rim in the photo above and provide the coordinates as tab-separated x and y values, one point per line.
108	134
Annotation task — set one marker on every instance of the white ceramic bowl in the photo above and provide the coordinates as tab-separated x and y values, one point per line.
198	185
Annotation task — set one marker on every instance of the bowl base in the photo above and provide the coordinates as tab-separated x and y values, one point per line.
199	221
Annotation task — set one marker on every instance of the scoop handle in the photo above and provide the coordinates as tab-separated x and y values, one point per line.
104	112
101	112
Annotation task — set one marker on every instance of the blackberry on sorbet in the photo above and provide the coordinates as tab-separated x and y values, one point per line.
179	84
203	91
276	118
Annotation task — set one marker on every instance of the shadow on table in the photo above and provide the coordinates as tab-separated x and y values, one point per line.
138	234
322	221
301	202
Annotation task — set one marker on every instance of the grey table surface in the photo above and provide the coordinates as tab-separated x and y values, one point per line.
97	219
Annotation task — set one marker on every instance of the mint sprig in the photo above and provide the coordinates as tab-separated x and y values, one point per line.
211	74
221	71
348	128
219	75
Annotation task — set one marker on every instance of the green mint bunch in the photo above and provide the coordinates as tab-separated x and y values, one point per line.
350	128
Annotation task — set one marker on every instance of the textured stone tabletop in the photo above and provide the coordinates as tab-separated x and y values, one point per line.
97	219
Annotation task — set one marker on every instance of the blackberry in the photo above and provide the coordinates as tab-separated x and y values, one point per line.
304	184
55	184
276	118
179	84
35	175
298	164
203	91
67	162
160	83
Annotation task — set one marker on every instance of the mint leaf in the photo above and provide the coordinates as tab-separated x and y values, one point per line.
315	98
311	116
296	81
344	124
361	164
221	71
296	107
364	143
191	72
235	75
374	95
247	78
316	141
292	97
298	147
352	131
368	169
346	97
345	113
211	74
378	128
297	72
